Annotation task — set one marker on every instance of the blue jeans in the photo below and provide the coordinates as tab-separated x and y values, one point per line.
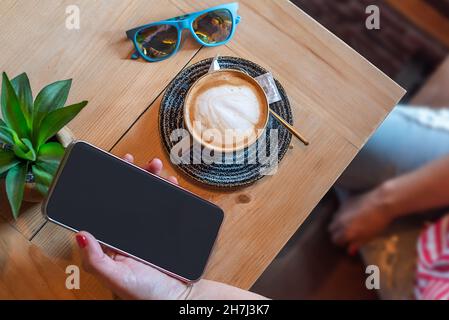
400	145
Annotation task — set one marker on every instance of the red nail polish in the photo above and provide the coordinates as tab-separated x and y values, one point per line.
82	240
352	251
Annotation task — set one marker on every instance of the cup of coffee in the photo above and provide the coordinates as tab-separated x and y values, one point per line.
226	110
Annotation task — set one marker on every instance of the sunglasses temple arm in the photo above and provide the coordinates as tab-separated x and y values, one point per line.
135	55
238	19
130	35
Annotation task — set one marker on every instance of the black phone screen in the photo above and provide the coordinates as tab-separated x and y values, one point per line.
134	211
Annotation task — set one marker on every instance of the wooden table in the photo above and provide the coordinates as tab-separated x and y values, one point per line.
338	100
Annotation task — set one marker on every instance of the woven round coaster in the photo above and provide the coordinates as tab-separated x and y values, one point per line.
238	169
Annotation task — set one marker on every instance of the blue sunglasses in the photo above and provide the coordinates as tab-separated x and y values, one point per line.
160	40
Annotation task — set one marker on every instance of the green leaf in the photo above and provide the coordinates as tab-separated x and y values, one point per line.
49	156
15	184
23	148
11	109
6	136
41	176
50	98
50	167
48	159
7	160
16	141
51	151
21	85
43	189
25	151
57	119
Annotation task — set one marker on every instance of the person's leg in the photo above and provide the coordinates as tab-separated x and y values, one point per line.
401	144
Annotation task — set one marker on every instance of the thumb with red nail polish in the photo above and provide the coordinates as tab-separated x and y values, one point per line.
81	240
352	250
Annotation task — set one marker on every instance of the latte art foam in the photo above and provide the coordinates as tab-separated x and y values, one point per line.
226	110
228	107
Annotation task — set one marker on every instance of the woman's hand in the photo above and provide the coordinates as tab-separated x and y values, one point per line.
359	220
130	279
125	276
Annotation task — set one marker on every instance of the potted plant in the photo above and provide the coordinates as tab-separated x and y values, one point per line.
30	150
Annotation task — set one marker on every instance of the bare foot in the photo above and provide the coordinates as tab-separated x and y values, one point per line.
359	220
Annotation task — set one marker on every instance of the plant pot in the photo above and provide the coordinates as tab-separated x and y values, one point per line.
30	193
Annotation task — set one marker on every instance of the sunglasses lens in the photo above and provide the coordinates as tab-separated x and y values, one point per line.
157	42
213	27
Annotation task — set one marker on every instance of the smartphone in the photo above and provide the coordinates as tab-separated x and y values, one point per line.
133	211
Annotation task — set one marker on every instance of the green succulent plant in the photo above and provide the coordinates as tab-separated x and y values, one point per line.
29	151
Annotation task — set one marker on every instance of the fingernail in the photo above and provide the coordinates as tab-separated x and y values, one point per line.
82	240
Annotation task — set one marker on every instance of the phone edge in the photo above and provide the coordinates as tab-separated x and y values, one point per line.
174	275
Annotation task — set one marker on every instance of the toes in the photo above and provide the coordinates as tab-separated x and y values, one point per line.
339	237
353	249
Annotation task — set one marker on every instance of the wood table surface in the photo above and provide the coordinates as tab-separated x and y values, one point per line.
338	100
